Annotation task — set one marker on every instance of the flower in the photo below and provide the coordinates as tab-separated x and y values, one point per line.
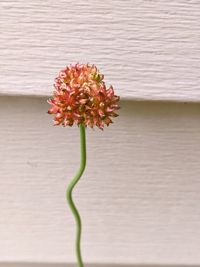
81	97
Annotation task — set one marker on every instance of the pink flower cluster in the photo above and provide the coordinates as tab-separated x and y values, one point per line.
81	97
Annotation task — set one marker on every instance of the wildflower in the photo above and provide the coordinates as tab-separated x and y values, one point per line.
81	97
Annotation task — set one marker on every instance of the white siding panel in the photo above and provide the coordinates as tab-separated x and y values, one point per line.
147	49
139	197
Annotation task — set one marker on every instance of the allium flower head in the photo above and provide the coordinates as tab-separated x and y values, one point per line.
81	97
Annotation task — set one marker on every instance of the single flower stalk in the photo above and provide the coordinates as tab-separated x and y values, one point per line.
81	97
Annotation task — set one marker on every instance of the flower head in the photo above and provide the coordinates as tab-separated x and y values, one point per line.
81	97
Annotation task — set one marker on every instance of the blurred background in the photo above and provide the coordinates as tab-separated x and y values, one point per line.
139	196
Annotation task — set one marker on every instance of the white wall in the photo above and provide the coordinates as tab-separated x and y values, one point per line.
139	197
146	49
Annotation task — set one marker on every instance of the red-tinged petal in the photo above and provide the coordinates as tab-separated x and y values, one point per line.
53	110
62	74
113	114
110	92
107	121
100	125
101	113
115	99
56	123
109	109
76	115
83	101
58	116
115	107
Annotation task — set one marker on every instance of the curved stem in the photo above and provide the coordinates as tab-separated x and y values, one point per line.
69	193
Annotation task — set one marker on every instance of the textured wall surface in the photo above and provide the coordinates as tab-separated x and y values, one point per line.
147	49
139	197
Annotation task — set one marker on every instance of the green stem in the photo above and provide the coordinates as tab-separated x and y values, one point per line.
69	193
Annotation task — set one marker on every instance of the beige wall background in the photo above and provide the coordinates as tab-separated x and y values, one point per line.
147	49
139	197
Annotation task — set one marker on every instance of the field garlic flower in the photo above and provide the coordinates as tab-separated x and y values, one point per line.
81	97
